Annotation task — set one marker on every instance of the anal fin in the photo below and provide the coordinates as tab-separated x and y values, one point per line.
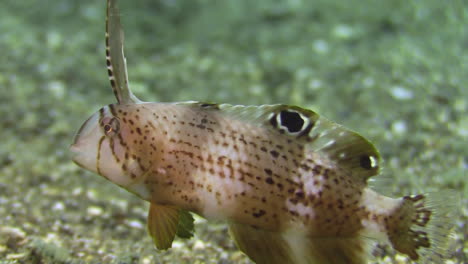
297	247
337	250
263	247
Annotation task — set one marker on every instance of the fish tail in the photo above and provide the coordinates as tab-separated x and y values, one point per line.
421	225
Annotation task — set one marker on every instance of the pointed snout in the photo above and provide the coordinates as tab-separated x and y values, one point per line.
85	145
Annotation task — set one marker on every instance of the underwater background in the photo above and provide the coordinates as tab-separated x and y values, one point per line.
394	71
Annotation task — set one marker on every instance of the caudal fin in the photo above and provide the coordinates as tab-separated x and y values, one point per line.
422	226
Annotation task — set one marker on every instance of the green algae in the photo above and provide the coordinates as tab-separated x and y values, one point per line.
395	71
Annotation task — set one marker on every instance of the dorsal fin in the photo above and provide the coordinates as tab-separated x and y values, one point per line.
115	58
346	148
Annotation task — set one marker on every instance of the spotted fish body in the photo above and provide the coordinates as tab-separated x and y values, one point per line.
291	184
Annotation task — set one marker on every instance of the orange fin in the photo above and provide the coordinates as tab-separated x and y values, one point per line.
162	225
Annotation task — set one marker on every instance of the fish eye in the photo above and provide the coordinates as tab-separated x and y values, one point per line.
110	126
107	128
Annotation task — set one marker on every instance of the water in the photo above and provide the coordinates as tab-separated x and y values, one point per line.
373	66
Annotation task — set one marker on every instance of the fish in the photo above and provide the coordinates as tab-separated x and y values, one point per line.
292	185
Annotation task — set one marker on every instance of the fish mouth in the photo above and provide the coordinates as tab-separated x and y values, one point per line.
76	155
74	148
82	158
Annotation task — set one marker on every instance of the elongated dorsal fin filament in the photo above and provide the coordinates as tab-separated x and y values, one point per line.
115	58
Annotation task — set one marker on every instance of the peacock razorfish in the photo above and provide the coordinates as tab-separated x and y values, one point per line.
291	184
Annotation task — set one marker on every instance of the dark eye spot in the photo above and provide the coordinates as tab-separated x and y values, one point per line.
293	121
368	162
111	126
107	128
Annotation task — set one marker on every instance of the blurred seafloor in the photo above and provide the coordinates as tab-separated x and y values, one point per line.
395	71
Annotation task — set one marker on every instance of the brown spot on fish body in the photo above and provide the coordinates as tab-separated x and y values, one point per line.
269	180
300	194
274	153
259	213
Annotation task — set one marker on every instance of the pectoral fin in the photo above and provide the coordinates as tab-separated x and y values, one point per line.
185	228
165	222
162	225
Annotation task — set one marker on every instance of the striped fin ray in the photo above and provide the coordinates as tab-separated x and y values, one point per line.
115	58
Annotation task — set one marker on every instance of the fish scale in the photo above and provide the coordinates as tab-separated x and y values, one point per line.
291	184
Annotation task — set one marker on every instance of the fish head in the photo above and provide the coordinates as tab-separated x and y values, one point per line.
99	147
